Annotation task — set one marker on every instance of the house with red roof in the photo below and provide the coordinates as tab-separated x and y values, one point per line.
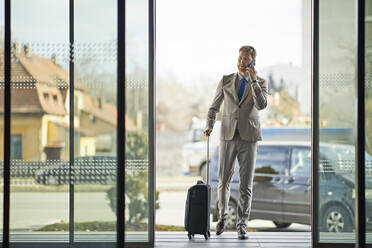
40	111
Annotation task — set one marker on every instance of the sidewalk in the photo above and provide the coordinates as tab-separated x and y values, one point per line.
172	198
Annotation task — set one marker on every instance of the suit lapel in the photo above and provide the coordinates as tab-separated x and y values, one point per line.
247	89
233	88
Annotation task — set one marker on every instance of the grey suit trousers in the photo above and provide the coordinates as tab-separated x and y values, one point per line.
246	152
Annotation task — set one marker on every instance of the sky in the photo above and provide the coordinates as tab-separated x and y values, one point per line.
48	20
199	40
44	24
195	39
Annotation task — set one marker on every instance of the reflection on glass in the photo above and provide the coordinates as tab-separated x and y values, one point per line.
368	120
300	162
336	100
270	161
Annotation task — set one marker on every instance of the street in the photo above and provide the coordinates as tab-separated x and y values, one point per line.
32	210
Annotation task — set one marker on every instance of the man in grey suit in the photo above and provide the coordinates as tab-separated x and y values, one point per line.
243	94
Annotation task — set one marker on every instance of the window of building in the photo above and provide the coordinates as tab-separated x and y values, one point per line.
16	146
46	97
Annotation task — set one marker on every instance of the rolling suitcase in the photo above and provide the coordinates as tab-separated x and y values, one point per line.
197	210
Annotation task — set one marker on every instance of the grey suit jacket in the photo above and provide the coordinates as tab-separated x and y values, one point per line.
243	114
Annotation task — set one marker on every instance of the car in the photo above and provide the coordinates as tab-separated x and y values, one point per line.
282	186
100	169
193	152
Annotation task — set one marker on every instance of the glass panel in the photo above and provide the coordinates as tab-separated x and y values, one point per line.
137	147
95	120
368	118
336	100
39	120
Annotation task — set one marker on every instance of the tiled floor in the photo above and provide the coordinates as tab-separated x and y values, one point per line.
229	239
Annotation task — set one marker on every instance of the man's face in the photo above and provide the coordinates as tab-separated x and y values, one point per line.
244	60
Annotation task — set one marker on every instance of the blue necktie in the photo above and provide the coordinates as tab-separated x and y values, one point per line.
241	90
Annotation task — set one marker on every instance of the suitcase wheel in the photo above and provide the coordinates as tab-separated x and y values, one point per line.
189	235
209	234
206	236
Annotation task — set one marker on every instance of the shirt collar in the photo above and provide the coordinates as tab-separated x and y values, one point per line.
240	77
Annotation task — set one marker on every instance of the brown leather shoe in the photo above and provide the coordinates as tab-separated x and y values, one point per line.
220	227
242	234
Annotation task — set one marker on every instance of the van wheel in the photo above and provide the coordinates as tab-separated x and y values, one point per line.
281	224
232	215
336	219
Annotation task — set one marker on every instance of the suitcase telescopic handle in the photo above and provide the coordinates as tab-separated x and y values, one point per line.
207	160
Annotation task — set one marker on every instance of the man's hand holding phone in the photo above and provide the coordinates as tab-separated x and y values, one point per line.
251	71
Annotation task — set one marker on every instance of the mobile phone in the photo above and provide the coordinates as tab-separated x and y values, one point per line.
252	63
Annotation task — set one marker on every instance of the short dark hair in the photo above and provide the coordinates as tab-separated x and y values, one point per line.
250	50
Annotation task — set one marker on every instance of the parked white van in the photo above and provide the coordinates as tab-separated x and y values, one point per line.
194	153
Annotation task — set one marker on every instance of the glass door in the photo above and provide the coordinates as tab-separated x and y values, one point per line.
139	120
336	109
342	94
39	152
65	127
95	120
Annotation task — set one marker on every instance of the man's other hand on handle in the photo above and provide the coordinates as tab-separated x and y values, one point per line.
207	131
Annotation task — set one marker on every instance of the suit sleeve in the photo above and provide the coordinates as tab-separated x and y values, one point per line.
215	106
260	93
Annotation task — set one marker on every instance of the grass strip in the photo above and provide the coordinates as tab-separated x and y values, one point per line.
104	226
